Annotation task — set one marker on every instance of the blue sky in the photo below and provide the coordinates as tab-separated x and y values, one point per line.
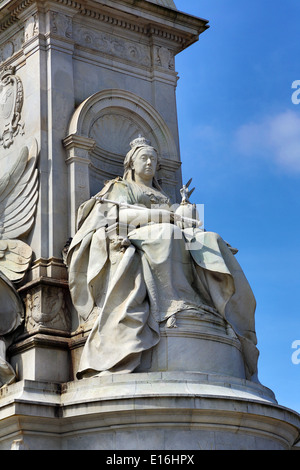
240	141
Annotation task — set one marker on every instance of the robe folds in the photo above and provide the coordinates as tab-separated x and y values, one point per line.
162	270
11	317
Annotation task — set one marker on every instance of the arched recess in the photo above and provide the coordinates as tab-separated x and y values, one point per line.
99	137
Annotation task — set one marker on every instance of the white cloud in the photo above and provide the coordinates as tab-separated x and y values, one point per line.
275	137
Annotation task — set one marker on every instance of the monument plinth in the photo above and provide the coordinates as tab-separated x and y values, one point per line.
124	324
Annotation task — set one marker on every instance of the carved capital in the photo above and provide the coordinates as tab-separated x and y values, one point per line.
80	142
79	148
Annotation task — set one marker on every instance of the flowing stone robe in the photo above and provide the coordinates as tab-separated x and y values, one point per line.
134	289
11	316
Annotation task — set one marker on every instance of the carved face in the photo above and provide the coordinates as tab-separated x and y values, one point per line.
144	163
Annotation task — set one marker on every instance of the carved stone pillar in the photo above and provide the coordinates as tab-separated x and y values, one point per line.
78	150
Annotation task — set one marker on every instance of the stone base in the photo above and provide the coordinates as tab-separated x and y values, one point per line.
199	342
152	411
42	355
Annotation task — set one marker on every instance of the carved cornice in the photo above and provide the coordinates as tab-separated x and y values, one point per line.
12	15
78	148
183	30
78	141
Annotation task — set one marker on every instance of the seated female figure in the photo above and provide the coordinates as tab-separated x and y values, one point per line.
136	267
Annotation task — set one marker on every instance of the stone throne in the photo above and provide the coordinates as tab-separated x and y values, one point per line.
88	70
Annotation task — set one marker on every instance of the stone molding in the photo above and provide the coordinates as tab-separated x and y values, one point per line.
12	14
126	102
162	411
111	45
75	144
182	37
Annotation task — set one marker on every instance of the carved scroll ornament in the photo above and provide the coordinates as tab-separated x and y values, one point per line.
11	102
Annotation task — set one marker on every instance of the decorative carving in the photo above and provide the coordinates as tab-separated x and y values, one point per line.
18	199
11	102
15	257
113	46
164	58
182	38
61	25
31	27
10	47
114	124
18	196
46	306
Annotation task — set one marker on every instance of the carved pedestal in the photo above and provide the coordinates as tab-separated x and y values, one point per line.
199	342
41	351
168	411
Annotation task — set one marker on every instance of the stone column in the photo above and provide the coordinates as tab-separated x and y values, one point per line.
78	149
44	64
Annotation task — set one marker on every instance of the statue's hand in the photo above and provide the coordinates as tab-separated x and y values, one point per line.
186	215
144	216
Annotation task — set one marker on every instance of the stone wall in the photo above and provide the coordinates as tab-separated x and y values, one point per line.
92	76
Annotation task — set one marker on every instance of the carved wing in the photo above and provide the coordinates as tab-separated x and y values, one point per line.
18	195
18	201
15	257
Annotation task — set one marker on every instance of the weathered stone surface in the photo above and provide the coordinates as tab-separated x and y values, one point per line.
68	74
164	3
155	411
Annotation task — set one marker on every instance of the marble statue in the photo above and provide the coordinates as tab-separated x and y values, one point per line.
18	198
135	262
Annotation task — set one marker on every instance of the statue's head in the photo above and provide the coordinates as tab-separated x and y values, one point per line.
141	150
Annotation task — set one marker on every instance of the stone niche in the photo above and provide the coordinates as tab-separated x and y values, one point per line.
99	135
